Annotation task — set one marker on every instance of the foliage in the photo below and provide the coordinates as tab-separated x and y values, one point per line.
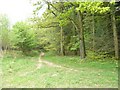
24	37
4	31
65	15
45	34
62	30
46	39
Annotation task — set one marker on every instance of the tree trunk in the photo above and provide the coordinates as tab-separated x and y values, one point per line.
81	37
115	37
61	42
93	29
119	41
116	47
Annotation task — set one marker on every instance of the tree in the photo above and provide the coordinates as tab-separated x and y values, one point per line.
73	19
81	37
4	29
24	37
115	34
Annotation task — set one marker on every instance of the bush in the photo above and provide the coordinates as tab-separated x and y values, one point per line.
25	38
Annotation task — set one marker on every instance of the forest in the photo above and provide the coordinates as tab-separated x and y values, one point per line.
72	45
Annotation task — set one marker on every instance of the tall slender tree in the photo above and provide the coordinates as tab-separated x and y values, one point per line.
115	33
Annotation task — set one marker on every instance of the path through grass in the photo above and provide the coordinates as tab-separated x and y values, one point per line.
23	72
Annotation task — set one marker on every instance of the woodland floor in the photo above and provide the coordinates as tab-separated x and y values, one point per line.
58	72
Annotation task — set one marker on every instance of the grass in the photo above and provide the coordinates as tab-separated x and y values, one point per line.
21	72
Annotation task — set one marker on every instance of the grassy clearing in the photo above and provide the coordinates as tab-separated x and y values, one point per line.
23	72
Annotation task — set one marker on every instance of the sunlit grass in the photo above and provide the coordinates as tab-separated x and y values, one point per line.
22	72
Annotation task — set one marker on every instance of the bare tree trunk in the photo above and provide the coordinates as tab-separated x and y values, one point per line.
115	37
79	28
81	37
116	47
93	29
61	42
119	41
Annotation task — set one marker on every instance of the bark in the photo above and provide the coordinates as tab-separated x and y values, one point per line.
116	47
81	37
115	33
74	25
61	42
93	29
